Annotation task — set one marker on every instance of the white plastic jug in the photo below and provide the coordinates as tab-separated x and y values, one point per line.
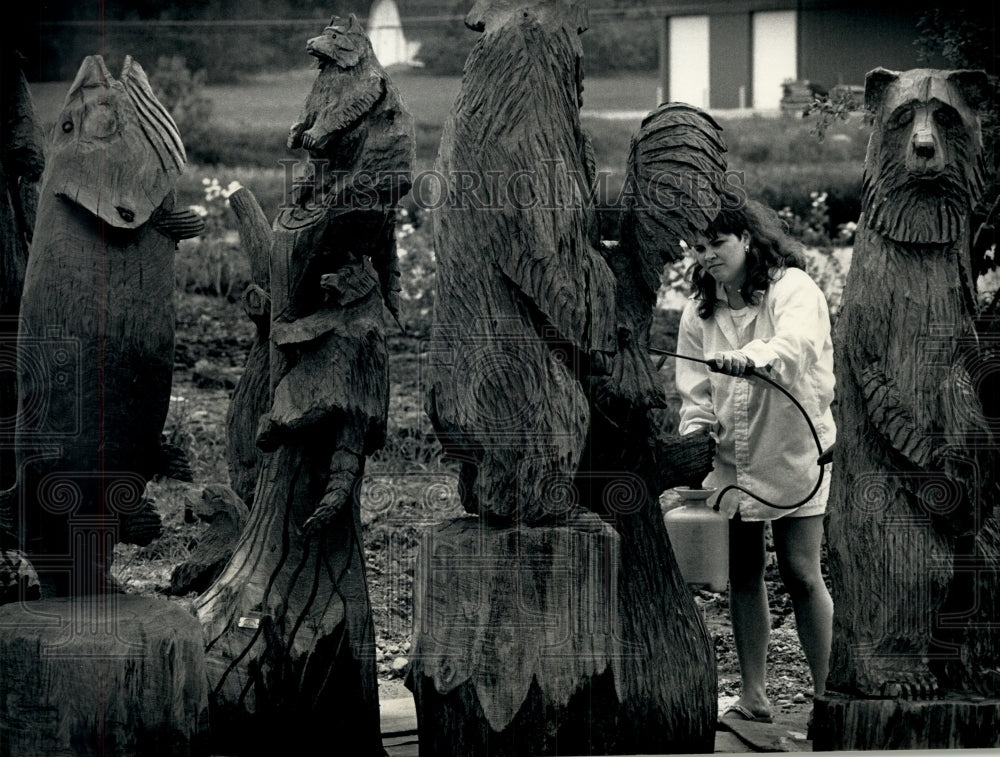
700	540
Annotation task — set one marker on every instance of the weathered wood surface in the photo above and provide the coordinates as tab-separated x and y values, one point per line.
289	631
290	641
852	724
22	161
543	389
676	171
520	645
96	339
102	675
529	641
912	531
524	302
252	396
226	515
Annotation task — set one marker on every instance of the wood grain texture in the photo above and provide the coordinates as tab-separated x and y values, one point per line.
677	168
516	629
297	572
96	336
524	300
543	389
850	724
529	642
102	675
311	652
251	397
22	161
226	515
913	491
290	641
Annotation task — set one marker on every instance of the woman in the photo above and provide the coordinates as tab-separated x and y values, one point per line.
754	307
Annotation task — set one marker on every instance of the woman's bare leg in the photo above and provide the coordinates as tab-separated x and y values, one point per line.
748	608
797	543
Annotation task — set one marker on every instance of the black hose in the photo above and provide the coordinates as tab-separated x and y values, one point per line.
822	459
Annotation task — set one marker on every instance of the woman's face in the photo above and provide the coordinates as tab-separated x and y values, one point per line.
723	256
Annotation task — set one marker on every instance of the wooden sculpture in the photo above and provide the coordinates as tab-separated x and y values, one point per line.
252	395
96	341
288	623
557	621
22	160
524	302
912	529
675	184
88	670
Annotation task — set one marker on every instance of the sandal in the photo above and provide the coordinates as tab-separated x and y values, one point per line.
743	713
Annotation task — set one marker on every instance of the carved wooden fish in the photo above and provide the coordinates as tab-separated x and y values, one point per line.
96	339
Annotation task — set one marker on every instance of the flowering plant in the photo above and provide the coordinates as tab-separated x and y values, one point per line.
213	262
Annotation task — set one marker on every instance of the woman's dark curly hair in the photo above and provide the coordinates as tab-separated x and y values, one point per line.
772	250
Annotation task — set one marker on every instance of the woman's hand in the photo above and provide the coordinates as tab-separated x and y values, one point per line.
734	363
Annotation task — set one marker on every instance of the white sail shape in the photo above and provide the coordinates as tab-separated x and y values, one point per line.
385	30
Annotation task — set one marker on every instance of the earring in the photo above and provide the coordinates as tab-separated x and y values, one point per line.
746	248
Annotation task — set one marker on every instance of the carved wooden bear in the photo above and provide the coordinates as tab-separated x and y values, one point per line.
912	462
524	300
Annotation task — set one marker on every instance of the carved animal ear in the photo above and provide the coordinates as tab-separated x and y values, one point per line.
475	19
974	86
876	83
579	17
351	47
354	26
92	73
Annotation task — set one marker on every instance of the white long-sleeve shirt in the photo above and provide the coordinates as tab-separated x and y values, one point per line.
764	443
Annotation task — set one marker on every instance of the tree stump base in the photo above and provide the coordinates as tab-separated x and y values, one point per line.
521	644
109	674
843	723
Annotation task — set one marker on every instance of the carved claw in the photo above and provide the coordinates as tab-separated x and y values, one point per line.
911	681
601	363
322	517
267	434
912	687
295	135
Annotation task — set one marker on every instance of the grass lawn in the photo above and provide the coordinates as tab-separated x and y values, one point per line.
782	160
274	100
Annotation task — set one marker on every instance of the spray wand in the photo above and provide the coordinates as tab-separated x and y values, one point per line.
824	456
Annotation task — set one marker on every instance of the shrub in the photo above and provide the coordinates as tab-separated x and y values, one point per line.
182	92
213	263
621	45
417	265
791	186
760	140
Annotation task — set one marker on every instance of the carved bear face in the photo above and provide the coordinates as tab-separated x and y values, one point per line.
487	15
925	158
